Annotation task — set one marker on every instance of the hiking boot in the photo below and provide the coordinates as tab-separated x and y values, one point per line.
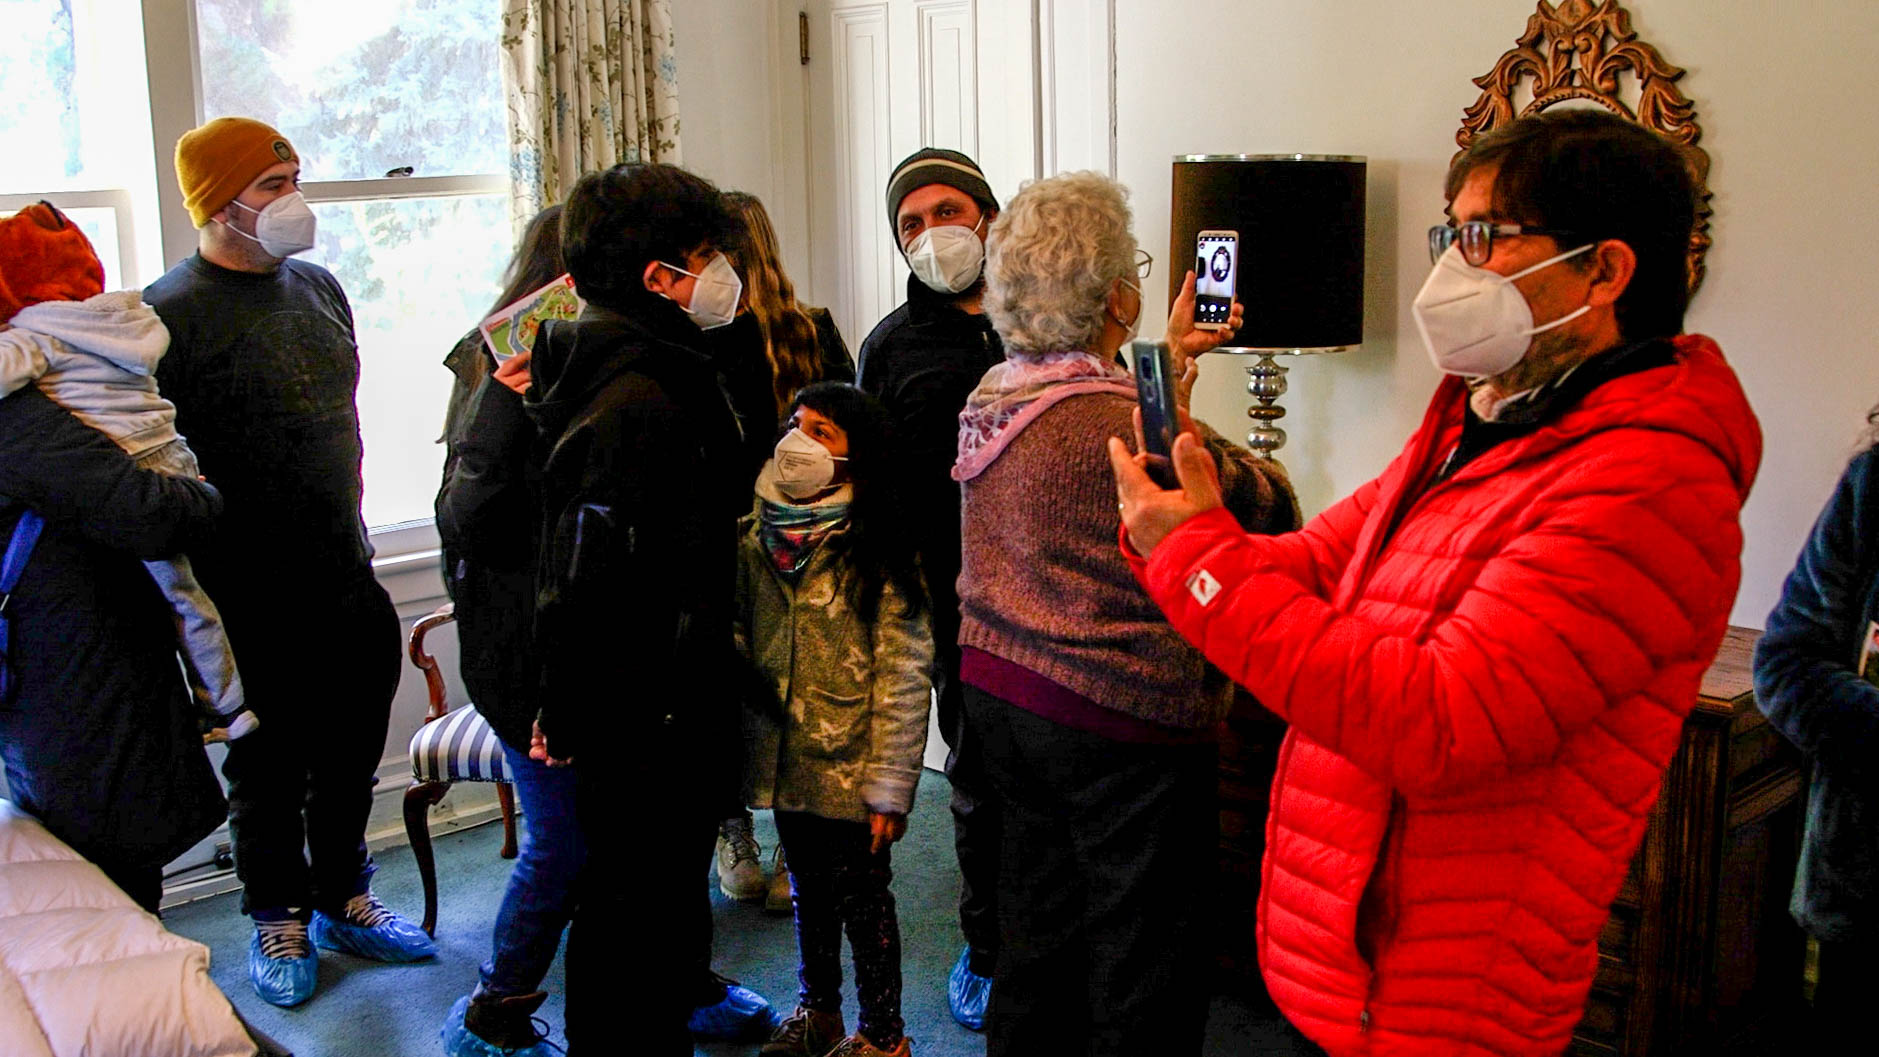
859	1046
369	929
740	860
777	900
482	1024
282	964
805	1033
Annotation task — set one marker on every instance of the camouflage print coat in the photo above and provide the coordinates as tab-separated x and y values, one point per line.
854	696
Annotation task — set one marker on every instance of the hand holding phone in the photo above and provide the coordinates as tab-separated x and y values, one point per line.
1154	389
1216	278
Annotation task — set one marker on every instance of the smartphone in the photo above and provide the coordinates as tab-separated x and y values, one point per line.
1216	278
1154	390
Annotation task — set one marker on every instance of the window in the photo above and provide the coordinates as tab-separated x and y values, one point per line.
364	88
74	118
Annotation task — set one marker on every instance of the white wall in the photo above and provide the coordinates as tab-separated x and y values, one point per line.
740	105
1789	123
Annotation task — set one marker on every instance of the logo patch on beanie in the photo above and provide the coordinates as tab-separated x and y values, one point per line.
283	151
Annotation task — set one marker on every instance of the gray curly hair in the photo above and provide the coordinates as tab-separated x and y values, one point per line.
1050	259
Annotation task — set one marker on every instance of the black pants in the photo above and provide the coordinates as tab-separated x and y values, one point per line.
1107	860
1847	983
320	673
639	948
141	882
976	820
837	885
977	832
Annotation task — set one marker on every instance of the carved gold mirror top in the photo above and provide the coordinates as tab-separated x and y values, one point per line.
1574	51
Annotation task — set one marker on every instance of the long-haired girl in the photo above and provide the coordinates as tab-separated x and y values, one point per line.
832	610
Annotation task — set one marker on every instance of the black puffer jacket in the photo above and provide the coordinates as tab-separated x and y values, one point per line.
489	522
101	741
641	485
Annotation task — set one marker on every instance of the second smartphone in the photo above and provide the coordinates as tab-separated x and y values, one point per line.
1216	277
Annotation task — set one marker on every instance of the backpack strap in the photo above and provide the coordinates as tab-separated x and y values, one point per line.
12	565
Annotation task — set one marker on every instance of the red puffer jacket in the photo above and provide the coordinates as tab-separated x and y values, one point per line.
1485	680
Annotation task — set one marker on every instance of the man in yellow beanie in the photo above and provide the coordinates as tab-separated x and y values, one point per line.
263	368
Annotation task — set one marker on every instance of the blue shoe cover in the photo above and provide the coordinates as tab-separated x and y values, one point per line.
460	1041
743	1015
393	939
282	981
967	993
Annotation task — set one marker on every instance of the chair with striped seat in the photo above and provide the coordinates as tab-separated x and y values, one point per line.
453	745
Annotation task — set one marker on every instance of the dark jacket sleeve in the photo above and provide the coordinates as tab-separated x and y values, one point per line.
486	508
76	477
1806	665
836	365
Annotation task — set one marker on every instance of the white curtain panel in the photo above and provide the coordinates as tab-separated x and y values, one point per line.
590	84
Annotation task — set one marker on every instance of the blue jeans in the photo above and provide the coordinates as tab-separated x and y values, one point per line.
541	896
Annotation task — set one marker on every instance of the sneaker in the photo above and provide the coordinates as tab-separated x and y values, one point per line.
777	900
281	963
741	1015
805	1033
369	929
967	992
487	1025
740	860
859	1046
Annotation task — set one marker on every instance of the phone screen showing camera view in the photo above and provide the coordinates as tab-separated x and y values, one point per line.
1216	268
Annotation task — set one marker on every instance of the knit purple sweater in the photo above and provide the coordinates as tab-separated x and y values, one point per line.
1044	586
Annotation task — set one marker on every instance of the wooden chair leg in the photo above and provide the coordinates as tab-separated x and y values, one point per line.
505	795
419	799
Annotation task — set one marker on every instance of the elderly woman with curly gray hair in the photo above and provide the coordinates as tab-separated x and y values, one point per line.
1086	713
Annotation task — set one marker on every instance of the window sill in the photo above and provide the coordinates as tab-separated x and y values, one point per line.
409	564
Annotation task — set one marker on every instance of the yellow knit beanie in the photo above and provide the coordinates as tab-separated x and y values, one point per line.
215	162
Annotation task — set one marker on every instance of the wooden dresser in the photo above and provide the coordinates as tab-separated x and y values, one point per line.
1700	952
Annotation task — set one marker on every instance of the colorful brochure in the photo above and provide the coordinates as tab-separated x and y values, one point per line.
512	330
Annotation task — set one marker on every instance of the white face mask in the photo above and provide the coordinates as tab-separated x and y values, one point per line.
803	466
283	227
949	258
1134	326
714	295
1473	321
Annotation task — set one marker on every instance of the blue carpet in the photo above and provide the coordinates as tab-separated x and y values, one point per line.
364	1009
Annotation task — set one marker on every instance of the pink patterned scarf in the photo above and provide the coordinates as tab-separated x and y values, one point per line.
1014	393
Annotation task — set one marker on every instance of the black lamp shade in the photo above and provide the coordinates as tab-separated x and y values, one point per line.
1300	218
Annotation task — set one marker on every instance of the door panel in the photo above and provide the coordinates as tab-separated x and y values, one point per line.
888	77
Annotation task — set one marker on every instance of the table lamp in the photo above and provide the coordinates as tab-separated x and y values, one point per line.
1300	275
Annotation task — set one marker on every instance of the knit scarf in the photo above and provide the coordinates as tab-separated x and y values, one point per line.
790	530
1014	393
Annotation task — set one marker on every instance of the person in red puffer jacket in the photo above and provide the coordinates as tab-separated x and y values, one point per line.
1486	654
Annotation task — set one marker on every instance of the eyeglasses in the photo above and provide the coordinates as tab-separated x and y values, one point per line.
1477	238
1143	264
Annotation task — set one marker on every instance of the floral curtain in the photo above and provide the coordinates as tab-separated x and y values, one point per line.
590	84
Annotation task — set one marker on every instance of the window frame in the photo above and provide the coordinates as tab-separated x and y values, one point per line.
173	61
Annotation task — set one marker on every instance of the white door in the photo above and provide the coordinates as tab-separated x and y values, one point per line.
884	79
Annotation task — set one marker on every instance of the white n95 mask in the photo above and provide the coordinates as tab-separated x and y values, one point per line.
803	466
1473	321
283	227
948	258
714	295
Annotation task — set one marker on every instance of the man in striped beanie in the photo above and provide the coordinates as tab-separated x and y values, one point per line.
922	361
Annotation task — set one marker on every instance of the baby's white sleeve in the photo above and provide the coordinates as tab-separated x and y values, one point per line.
21	360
